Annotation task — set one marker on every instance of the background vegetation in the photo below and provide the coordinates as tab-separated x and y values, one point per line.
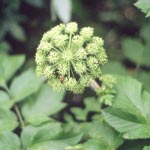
54	121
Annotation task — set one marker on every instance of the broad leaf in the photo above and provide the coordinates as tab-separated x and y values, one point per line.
37	110
9	141
9	65
135	51
114	67
102	135
80	114
24	85
92	104
146	148
8	120
130	113
37	3
144	5
5	101
49	136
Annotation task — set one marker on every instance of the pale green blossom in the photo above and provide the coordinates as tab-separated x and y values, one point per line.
70	58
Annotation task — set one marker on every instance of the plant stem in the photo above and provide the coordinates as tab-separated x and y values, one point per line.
94	85
19	116
18	113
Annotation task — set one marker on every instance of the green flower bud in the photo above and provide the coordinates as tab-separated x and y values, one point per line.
53	57
40	58
92	48
48	72
81	53
80	68
60	40
98	41
87	33
69	58
78	40
71	28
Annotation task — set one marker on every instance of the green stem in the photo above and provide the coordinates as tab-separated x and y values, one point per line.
18	113
19	116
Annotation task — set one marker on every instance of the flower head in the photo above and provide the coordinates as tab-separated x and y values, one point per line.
70	58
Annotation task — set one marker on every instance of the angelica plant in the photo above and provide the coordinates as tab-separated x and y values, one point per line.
70	58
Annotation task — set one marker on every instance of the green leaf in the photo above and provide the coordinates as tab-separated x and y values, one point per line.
9	141
80	114
8	120
37	3
9	65
135	51
5	101
17	31
48	102
24	85
92	104
130	113
144	77
102	134
146	148
95	144
144	5
49	136
114	67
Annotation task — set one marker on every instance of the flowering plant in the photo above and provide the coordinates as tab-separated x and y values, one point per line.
70	58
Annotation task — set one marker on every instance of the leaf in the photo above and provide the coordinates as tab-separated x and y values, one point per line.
9	141
24	85
9	65
146	148
114	67
80	114
95	144
102	135
92	104
47	102
37	3
17	31
62	11
48	136
144	5
8	120
144	77
130	113
135	51
5	101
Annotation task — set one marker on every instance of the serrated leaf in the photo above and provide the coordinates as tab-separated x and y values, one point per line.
49	136
37	110
144	5
62	11
8	120
9	65
130	111
24	85
9	141
105	136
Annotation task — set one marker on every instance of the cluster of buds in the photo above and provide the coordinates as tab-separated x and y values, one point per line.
70	58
